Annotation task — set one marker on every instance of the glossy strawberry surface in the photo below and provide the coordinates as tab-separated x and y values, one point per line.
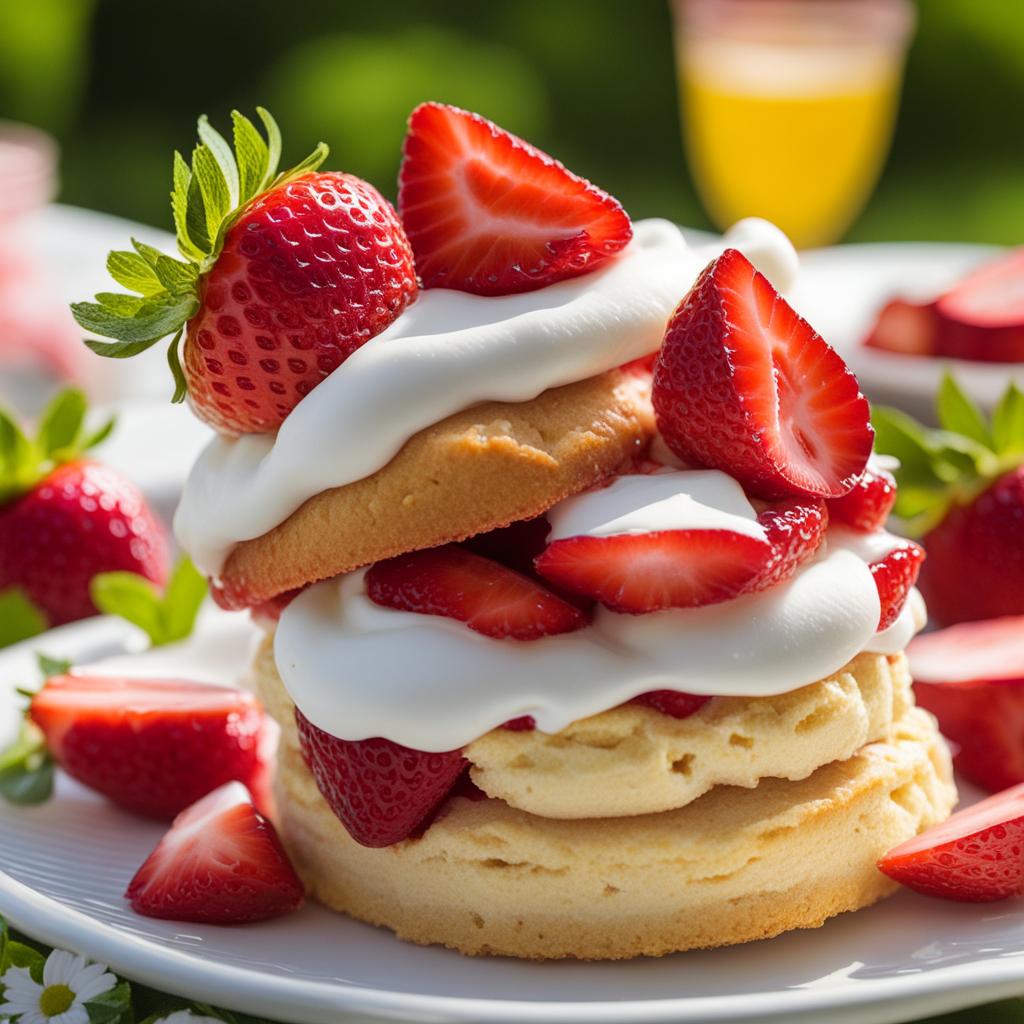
80	520
309	273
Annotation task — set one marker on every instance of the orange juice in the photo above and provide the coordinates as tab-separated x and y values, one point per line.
787	121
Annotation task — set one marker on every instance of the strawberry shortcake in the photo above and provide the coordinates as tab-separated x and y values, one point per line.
583	628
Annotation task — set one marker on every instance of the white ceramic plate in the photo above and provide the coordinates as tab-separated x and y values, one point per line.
64	866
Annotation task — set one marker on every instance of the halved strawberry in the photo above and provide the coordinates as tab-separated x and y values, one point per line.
906	328
982	317
795	528
646	572
220	863
974	857
894	576
744	385
488	597
867	506
152	746
971	677
380	791
486	212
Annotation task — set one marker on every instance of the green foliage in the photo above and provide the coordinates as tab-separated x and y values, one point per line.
26	769
164	618
61	437
19	617
954	464
207	197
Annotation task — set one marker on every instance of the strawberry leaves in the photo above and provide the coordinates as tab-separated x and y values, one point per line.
955	463
164	618
61	437
19	617
207	197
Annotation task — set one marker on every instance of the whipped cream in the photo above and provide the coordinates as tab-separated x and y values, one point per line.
358	670
666	500
447	352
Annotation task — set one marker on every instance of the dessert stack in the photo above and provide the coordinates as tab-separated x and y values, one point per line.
583	628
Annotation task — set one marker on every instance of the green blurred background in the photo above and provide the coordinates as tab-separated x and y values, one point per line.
119	82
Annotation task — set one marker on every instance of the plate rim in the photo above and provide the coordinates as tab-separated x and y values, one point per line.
285	998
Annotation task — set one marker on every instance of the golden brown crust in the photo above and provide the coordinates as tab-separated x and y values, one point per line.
735	865
475	471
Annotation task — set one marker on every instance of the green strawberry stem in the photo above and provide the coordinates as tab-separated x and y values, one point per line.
952	465
61	437
164	618
207	198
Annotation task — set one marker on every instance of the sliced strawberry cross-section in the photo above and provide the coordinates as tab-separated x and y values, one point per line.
974	857
982	317
486	212
971	677
152	746
220	863
380	791
488	597
744	385
868	504
647	572
894	576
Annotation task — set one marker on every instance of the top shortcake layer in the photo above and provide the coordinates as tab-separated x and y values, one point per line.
447	352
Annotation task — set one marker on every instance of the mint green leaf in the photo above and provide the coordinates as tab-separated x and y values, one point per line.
182	180
273	146
26	769
151	322
174	362
958	414
98	436
251	154
17	455
214	189
174	276
195	217
1008	423
130	271
111	1006
131	597
182	600
61	424
311	163
221	152
50	667
122	305
19	618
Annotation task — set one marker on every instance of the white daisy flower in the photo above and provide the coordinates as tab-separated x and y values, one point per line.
69	982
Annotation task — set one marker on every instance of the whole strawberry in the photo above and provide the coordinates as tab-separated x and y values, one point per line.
64	518
961	490
284	276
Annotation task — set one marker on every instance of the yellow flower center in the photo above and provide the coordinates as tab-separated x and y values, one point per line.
56	1000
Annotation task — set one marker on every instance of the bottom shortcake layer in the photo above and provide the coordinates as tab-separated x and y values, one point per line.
735	865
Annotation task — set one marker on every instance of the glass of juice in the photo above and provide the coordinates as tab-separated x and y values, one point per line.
788	106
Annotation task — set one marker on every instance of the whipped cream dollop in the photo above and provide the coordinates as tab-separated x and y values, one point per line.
358	670
447	352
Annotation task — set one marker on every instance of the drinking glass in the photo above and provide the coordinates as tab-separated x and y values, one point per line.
788	106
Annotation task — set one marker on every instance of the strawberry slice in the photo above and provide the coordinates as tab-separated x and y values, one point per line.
866	508
647	572
488	597
220	863
974	857
152	746
672	702
744	385
971	677
486	212
982	317
894	576
905	328
380	791
795	529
